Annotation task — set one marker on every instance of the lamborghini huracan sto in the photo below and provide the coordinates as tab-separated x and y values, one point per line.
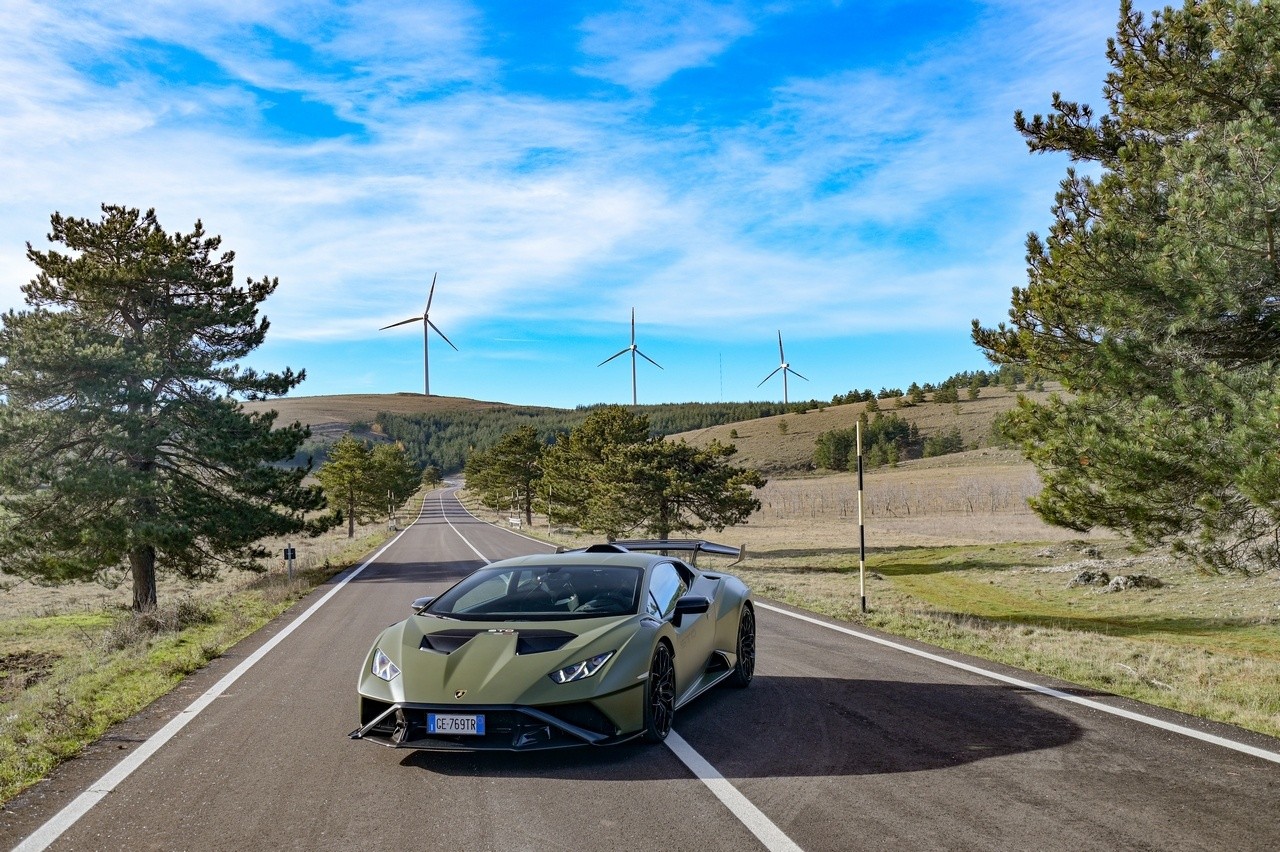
587	647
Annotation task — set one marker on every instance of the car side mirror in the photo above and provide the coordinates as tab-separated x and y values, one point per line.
419	604
690	605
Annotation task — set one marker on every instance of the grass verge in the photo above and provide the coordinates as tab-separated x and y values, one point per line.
1207	646
68	677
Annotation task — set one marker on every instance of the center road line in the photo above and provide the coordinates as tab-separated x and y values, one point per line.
739	805
444	514
1272	756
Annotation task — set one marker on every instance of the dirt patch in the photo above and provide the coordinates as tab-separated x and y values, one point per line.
21	670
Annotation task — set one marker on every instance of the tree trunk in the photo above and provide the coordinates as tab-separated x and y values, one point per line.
662	529
142	564
351	516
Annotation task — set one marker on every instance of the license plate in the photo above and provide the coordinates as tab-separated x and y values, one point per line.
441	723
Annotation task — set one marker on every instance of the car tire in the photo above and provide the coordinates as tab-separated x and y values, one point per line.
660	695
745	668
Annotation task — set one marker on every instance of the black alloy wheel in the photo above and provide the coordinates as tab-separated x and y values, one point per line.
745	669
660	695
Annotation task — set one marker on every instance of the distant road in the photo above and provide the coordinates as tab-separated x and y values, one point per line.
840	744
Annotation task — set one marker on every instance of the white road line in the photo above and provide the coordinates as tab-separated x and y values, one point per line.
504	529
444	514
739	805
1272	756
81	805
748	814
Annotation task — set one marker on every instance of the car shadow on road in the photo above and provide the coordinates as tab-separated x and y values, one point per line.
807	727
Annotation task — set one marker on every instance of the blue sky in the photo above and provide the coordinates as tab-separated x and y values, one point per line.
846	173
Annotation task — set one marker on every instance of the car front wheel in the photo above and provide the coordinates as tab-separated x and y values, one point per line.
660	695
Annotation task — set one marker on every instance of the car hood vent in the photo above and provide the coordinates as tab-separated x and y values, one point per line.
447	641
540	641
527	641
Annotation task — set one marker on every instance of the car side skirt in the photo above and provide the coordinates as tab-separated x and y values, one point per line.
709	678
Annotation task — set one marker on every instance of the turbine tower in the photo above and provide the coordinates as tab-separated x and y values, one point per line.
634	350
784	368
427	327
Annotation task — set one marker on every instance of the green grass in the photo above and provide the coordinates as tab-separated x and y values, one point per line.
56	633
1202	645
69	677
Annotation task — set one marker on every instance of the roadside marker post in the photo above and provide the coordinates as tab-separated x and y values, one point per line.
289	555
862	534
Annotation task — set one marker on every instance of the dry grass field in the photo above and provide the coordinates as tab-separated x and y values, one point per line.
362	408
25	599
784	443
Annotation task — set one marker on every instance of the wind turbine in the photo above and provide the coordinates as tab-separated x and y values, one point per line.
784	368
634	350
427	327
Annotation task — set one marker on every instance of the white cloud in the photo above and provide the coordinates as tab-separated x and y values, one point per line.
646	43
841	208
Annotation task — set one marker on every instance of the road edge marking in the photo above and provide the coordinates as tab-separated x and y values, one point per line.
46	834
1172	727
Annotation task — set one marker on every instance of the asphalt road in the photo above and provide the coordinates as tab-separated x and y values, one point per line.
840	744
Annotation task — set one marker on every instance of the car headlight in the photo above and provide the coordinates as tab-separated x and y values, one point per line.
582	670
383	667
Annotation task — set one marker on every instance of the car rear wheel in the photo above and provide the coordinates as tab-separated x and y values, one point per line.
660	695
745	669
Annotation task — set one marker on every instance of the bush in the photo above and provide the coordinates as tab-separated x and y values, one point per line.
950	441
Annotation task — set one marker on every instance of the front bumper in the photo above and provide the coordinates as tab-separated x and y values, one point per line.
507	727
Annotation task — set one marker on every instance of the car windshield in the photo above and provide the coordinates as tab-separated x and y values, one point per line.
541	592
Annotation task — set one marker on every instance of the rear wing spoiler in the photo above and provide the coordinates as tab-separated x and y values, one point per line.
691	546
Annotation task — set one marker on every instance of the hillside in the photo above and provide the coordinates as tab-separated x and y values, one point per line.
331	417
775	444
345	409
784	443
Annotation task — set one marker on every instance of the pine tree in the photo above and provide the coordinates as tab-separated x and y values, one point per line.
345	480
1153	299
669	487
571	466
512	468
364	484
122	445
394	476
610	476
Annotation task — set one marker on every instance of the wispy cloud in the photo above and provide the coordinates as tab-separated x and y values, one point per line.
644	44
840	199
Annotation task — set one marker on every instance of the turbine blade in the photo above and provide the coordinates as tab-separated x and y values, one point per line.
633	326
650	360
781	357
794	373
402	322
770	376
441	333
431	295
611	357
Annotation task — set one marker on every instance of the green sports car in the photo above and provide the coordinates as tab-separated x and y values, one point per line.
586	647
